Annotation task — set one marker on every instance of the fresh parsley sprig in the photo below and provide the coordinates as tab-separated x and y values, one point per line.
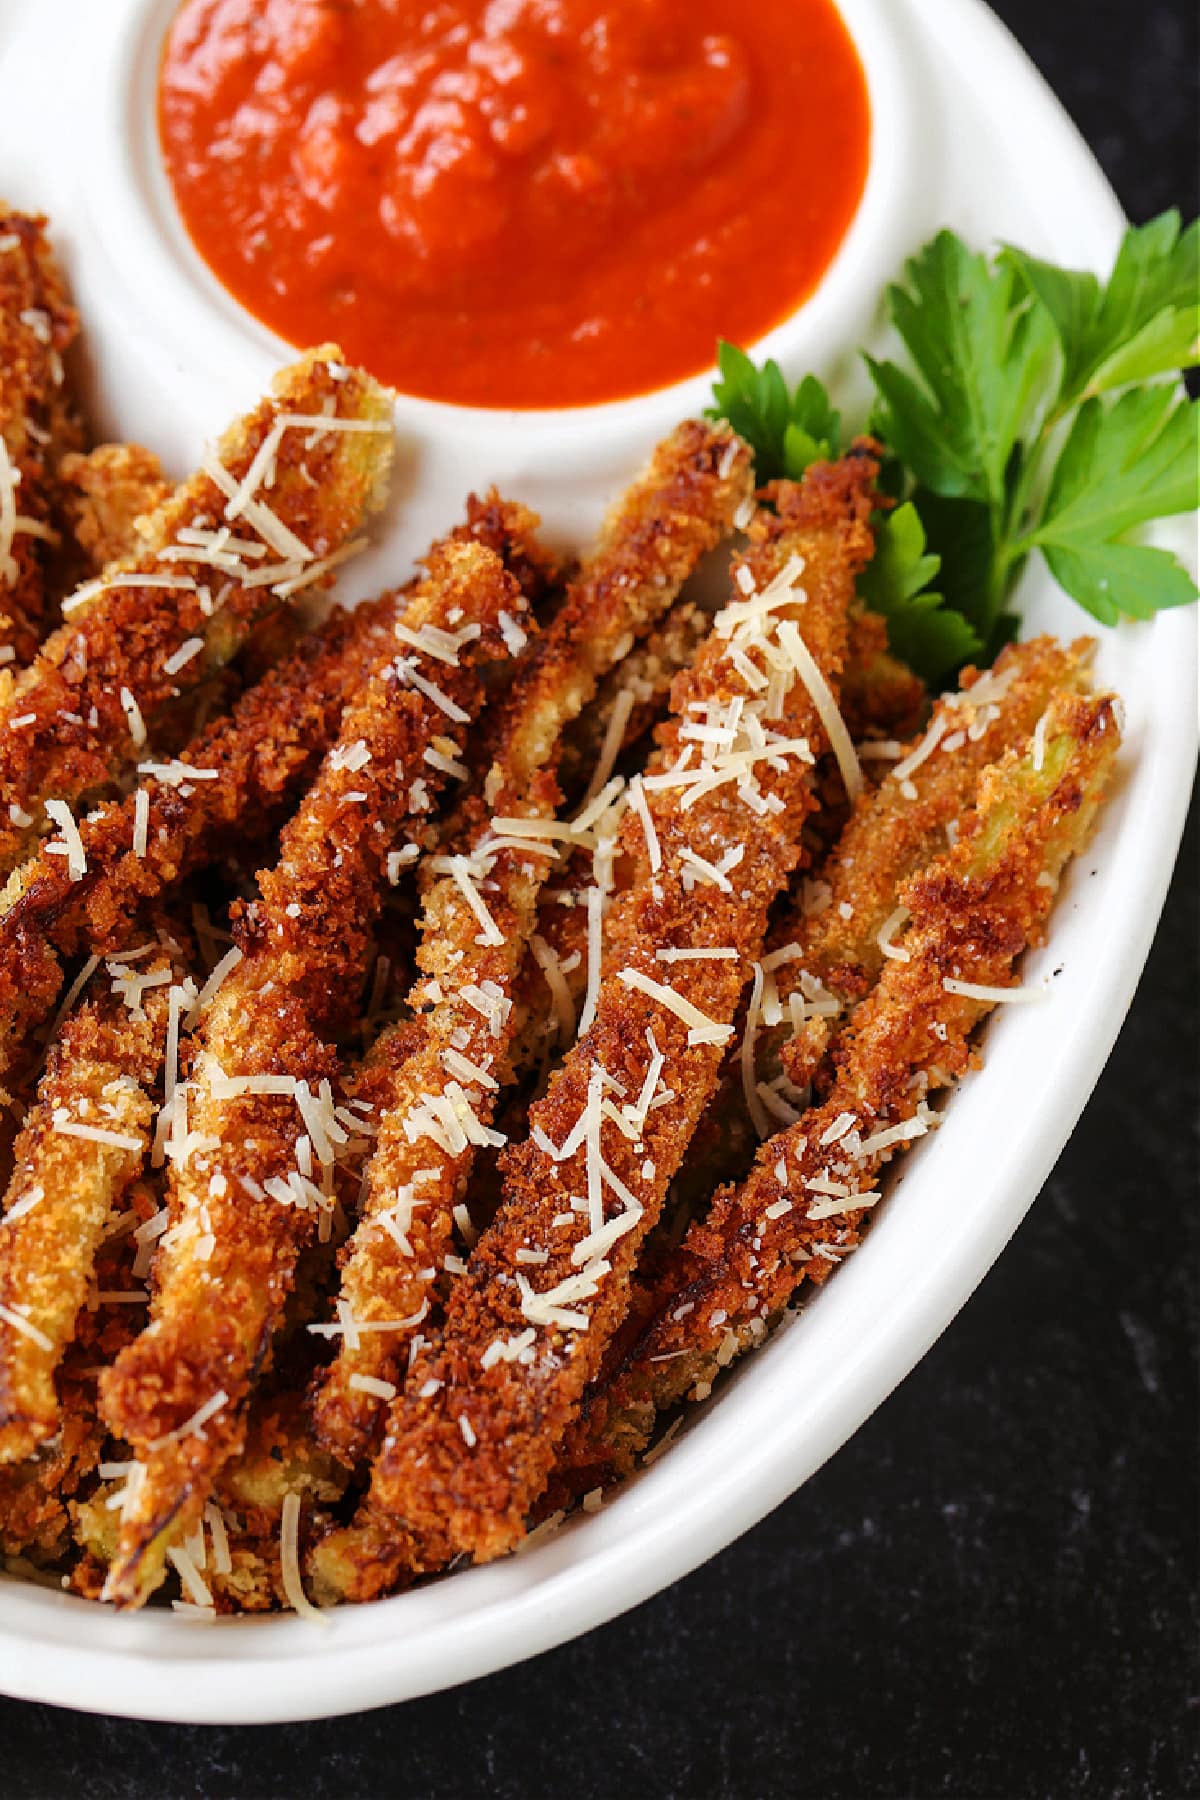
1038	411
786	428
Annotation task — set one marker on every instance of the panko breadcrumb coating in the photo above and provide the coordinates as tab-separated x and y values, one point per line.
37	427
471	1439
257	1428
108	497
479	913
826	948
803	1208
138	849
265	752
83	1143
244	1191
69	722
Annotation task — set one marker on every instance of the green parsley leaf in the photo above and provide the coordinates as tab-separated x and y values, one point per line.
1114	581
786	430
1124	463
923	631
982	350
813	430
959	533
1035	414
1144	322
1003	354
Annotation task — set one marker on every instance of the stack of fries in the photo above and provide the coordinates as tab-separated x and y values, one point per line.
382	997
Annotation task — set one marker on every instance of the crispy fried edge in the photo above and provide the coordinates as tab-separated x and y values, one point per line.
122	638
974	910
267	751
37	420
303	941
107	494
100	1070
679	508
456	1489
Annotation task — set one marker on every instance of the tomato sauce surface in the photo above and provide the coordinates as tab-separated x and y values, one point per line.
516	203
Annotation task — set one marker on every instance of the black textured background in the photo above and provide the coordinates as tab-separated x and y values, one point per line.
990	1593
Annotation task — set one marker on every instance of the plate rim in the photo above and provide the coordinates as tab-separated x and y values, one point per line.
313	1675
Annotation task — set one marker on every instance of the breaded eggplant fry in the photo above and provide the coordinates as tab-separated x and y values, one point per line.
680	507
108	497
83	1143
479	914
902	825
180	608
260	1132
235	1549
37	426
265	753
881	697
511	530
805	1204
828	948
886	697
472	1438
630	699
38	1495
35	1495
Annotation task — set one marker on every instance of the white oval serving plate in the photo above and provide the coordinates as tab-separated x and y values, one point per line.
965	134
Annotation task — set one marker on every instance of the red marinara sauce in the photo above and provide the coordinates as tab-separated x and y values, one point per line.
516	203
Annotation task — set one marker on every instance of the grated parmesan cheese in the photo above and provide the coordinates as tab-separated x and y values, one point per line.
610	748
179	659
99	1134
637	800
408	673
923	751
547	960
822	698
19	1322
141	821
193	1426
60	813
746	1063
893	923
373	1385
975	990
133	712
289	1563
703	1030
594	900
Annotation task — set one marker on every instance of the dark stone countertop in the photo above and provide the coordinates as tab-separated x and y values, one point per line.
989	1593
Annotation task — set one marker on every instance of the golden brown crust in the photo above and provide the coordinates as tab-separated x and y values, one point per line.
681	506
107	495
651	542
39	1497
305	943
881	697
265	752
508	1384
65	732
645	676
511	530
37	421
470	1442
99	1075
830	932
878	697
899	827
973	912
